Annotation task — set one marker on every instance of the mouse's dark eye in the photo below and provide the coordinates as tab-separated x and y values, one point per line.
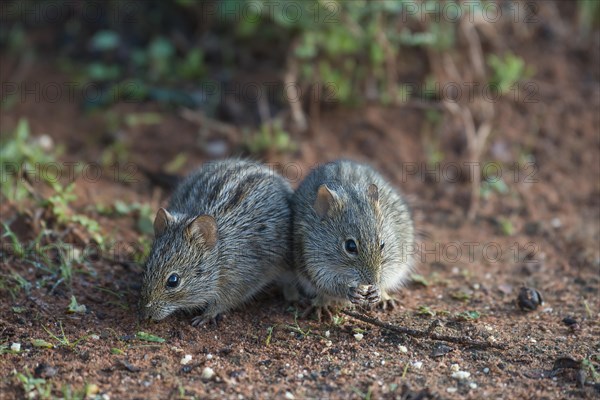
173	281
351	246
381	246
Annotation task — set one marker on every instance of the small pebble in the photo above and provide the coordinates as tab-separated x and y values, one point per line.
556	223
452	390
486	370
473	385
454	367
186	359
358	336
45	142
289	396
417	364
461	375
16	347
532	340
209	356
403	349
95	337
327	334
207	373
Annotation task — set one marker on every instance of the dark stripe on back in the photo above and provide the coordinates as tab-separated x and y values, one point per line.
242	191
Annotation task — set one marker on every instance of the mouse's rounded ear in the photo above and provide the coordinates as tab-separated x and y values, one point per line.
162	220
203	229
325	201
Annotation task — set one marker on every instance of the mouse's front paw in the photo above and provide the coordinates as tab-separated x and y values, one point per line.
364	294
204	319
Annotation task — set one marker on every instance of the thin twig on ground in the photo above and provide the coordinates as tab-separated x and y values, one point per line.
426	334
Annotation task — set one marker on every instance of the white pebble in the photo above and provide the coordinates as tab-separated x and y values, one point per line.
45	142
460	375
327	334
486	370
556	223
417	364
452	390
209	356
403	349
376	354
300	376
473	385
289	396
328	343
358	336
186	359
455	270
382	362
208	373
454	367
16	347
532	340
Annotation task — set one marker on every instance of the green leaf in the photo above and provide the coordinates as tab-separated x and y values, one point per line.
148	337
460	295
41	343
468	315
425	311
420	279
176	163
74	307
105	40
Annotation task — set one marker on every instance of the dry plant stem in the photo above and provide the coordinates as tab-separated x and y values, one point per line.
291	81
476	135
426	334
198	117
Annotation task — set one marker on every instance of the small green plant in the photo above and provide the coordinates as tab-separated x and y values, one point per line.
419	279
19	153
492	186
506	226
34	387
75	307
269	335
297	329
507	71
460	295
425	311
63	340
59	205
270	137
468	316
588	366
338	320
